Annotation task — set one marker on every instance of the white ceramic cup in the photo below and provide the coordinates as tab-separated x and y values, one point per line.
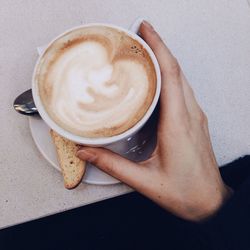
117	143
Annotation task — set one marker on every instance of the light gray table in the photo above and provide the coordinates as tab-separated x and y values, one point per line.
210	38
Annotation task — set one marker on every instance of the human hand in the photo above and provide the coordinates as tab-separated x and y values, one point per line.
182	175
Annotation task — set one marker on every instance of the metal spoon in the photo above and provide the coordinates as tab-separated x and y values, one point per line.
24	104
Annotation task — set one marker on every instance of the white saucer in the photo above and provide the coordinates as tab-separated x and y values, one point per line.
41	136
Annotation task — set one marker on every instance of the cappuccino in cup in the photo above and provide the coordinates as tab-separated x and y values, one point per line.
96	81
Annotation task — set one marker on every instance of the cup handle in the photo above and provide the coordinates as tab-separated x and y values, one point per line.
41	49
134	27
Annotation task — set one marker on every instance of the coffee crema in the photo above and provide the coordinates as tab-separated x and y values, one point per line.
96	81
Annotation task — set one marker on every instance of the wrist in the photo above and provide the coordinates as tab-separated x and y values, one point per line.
209	207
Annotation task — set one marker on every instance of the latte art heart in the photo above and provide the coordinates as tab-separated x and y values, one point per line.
96	84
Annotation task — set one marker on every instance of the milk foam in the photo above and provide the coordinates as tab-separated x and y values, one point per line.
90	92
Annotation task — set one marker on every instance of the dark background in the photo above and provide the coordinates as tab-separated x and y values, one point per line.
127	222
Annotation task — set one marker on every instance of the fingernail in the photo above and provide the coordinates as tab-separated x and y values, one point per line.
148	25
78	147
86	155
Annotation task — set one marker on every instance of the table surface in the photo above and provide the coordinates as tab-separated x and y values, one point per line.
211	41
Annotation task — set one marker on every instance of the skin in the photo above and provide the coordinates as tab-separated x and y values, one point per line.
182	174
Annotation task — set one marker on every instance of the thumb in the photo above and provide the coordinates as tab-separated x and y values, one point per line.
113	164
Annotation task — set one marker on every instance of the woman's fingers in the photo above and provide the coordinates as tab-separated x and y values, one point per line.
115	165
163	54
177	97
192	105
172	96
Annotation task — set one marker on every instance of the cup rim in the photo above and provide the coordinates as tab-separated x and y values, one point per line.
95	141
